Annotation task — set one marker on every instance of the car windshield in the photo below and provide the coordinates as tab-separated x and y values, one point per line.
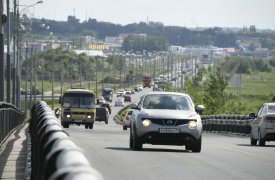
271	108
78	101
166	101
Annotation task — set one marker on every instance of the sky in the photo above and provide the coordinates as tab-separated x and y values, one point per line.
187	13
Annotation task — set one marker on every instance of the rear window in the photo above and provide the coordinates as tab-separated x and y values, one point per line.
271	108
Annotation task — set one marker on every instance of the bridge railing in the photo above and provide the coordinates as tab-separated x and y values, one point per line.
52	154
239	124
10	118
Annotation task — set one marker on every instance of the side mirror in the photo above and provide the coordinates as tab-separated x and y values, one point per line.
57	112
199	109
252	115
134	106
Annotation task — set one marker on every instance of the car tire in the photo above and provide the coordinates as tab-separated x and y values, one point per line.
91	125
196	146
124	127
137	145
187	147
253	141
261	140
106	121
86	126
131	139
65	125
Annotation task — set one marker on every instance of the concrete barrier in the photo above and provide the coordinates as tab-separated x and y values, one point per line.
53	154
237	124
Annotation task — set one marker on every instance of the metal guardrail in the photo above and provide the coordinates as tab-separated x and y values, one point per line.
238	124
10	118
53	155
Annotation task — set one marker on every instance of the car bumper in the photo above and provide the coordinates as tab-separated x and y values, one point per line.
270	136
156	138
76	121
119	104
152	135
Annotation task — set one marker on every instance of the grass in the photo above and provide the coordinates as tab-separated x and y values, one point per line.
256	89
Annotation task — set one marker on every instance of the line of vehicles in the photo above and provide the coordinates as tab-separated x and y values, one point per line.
80	106
159	118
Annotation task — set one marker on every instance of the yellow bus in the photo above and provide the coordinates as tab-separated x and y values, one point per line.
78	106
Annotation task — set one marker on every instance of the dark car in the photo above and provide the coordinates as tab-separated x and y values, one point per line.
127	98
107	105
102	114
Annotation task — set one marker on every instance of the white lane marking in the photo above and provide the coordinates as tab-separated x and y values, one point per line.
244	152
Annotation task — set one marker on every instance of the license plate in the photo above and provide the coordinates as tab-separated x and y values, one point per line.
78	121
169	130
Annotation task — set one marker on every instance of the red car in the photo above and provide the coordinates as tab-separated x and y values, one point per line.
127	98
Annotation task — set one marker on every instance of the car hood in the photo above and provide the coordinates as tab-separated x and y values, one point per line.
171	114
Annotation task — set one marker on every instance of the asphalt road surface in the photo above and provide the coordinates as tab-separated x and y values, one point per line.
222	157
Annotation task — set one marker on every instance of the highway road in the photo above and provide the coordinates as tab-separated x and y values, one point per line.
222	157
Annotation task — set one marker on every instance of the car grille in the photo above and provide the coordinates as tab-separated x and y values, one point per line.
170	122
80	113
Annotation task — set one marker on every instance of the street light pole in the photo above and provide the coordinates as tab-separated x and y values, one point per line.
96	75
8	53
2	71
53	81
35	74
14	55
26	81
31	69
42	91
18	72
61	79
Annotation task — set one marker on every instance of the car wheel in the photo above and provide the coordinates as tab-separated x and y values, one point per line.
91	125
261	140
65	125
196	145
86	126
124	127
137	145
131	139
253	141
187	147
106	121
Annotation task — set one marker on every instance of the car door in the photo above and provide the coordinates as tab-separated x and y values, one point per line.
256	121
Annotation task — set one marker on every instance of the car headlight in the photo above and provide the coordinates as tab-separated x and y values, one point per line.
192	124
68	115
89	116
146	122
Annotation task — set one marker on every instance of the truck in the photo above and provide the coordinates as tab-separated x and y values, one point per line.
147	80
107	93
78	106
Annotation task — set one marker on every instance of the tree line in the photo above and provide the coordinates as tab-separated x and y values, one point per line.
175	35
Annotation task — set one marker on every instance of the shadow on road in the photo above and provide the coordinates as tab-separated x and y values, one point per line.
19	161
255	146
149	149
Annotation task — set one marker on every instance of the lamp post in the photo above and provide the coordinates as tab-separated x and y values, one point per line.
26	82
8	75
43	71
2	75
53	81
96	74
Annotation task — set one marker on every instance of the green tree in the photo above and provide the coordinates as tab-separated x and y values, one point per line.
252	46
215	96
